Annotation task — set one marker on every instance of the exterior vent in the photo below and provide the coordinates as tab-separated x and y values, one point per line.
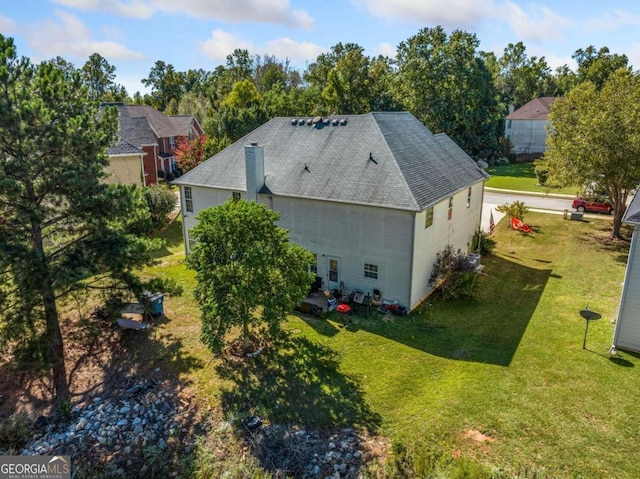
301	122
309	121
316	120
335	122
294	122
327	122
343	121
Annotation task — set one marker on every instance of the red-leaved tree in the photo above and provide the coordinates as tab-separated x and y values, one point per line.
189	154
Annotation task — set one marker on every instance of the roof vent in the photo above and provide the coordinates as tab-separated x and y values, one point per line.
327	121
335	122
301	121
294	122
343	121
309	121
316	120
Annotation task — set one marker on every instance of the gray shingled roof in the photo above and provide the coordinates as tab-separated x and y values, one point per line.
181	124
632	214
129	133
162	125
412	168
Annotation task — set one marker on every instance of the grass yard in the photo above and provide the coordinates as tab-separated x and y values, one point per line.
522	177
502	379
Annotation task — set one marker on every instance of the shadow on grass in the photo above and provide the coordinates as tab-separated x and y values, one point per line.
172	236
296	382
485	330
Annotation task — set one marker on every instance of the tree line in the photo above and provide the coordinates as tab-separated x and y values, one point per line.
445	80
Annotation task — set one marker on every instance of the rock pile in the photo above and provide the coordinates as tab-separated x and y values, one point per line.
121	427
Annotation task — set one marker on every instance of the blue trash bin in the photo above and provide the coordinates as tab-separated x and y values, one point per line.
153	303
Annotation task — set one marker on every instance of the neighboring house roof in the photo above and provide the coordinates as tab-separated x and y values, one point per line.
385	159
632	214
536	109
182	124
141	133
127	126
161	124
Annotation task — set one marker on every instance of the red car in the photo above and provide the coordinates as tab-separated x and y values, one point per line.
594	205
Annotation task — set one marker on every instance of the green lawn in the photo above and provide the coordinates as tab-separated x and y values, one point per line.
522	177
509	365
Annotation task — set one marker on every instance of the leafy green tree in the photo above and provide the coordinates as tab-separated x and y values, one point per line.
521	78
517	210
446	84
243	95
99	76
63	231
598	65
248	274
594	139
166	84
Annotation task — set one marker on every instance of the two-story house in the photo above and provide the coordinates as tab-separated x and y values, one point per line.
526	128
374	197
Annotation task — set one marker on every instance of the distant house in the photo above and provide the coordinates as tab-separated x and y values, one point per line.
526	128
126	156
374	197
627	331
148	137
167	131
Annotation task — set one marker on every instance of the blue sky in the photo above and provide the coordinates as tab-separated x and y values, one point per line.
133	34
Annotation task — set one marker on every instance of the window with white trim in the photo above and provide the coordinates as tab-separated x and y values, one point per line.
172	143
371	271
188	199
236	196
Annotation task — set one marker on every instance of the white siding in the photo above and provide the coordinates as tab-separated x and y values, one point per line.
457	232
355	235
627	332
527	136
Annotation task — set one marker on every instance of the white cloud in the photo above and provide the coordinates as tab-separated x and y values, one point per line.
71	38
450	14
278	12
634	55
612	21
554	61
386	49
297	52
222	43
133	9
538	24
7	25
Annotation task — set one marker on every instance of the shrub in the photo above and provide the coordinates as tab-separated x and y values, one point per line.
169	177
161	202
542	173
15	431
453	276
483	243
517	209
161	174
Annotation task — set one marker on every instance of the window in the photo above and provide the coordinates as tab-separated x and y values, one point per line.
188	199
333	270
509	124
236	196
371	271
450	212
191	240
428	221
172	143
469	197
313	266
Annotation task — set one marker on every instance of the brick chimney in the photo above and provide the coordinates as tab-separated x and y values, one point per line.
254	166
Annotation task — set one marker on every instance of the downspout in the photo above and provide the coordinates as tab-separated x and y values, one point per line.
144	177
413	256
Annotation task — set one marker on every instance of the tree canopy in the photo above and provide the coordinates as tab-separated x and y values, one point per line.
63	229
249	276
594	139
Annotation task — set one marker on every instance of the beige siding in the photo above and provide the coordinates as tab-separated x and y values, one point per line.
627	332
457	232
126	170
